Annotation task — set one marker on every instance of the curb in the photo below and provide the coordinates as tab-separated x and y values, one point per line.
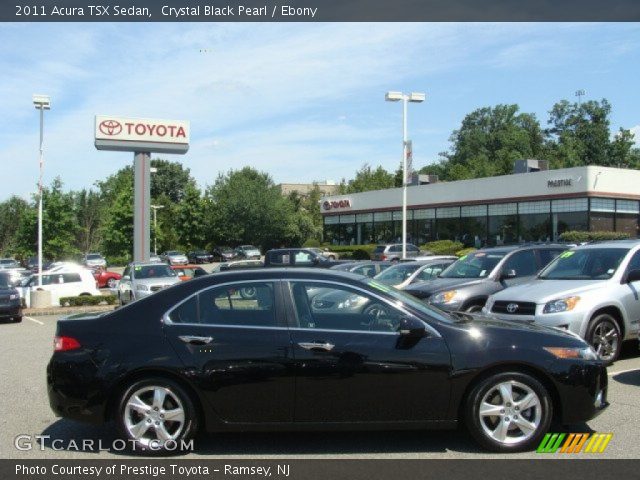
38	312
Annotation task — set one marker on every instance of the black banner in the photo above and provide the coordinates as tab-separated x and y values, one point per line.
176	469
319	10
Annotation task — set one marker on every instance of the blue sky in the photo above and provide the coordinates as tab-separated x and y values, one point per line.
302	102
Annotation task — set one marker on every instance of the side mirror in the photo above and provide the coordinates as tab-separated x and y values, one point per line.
508	274
126	277
633	276
412	328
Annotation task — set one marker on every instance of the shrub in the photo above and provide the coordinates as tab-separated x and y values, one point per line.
87	300
443	247
118	261
465	251
580	236
360	254
311	243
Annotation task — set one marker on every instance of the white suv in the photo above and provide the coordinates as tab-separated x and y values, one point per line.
66	283
591	290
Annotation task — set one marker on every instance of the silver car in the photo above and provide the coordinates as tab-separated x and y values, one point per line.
140	280
173	257
591	290
92	260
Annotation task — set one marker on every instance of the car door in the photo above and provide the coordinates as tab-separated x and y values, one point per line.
236	348
630	295
352	364
124	287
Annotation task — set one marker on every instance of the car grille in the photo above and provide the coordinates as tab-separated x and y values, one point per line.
523	308
4	299
155	288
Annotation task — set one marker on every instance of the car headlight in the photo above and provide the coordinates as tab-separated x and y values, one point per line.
444	297
14	296
582	353
561	305
142	288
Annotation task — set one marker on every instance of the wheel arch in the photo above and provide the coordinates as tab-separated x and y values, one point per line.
536	373
615	312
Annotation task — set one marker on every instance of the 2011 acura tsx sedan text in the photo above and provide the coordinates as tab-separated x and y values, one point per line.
201	355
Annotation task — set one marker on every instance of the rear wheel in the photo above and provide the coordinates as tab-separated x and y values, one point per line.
605	337
156	414
509	412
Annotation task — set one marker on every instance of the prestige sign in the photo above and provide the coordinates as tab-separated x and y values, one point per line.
141	134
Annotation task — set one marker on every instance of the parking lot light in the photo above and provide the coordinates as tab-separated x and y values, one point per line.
42	103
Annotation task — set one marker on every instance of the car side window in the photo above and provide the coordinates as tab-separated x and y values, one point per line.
413	248
186	312
524	263
339	307
127	272
279	258
71	278
634	263
242	304
430	272
304	258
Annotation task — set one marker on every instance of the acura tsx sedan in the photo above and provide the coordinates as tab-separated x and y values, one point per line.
200	355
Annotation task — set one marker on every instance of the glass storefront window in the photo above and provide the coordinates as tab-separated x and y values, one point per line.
535	227
503	229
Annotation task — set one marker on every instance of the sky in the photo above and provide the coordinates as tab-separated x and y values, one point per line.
302	102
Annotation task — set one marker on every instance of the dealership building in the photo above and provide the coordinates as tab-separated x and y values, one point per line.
537	205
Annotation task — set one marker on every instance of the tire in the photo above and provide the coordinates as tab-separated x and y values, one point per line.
605	337
120	300
248	293
85	294
331	257
525	427
145	423
17	319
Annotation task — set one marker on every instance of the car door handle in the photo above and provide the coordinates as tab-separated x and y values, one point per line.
195	340
317	346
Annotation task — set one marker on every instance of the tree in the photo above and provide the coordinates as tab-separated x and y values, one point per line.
171	180
488	142
190	219
88	211
368	179
246	207
12	213
117	229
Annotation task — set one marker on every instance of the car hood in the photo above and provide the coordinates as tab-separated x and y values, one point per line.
430	287
543	291
158	281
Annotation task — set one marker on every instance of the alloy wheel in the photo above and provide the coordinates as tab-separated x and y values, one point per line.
605	340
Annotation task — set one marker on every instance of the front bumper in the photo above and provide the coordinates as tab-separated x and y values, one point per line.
14	309
573	321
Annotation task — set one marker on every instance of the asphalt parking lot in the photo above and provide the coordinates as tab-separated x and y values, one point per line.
26	348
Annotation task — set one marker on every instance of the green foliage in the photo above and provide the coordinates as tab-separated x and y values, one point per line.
368	179
360	254
442	247
119	261
87	300
117	228
12	214
580	237
311	243
190	219
88	212
171	180
347	252
465	251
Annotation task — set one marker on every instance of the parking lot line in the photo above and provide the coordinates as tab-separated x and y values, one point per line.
622	371
34	320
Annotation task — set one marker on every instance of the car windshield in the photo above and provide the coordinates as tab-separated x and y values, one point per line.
585	264
7	261
397	273
94	256
153	271
174	252
5	281
474	265
409	300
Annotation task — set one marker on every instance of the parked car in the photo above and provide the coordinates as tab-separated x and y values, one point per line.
296	257
200	356
325	252
237	265
223	254
105	278
92	260
365	267
6	263
393	252
32	264
141	279
10	304
466	284
153	258
247	252
61	283
199	256
173	257
406	273
591	290
187	272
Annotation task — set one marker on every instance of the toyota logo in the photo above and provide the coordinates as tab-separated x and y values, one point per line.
512	307
326	205
110	127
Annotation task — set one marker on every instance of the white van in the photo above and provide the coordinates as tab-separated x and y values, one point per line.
60	284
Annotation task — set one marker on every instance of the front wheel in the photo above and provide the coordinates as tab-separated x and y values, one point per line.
509	412
155	415
112	282
605	337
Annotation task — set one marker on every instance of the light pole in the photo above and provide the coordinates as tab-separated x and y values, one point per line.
155	227
413	97
42	103
580	93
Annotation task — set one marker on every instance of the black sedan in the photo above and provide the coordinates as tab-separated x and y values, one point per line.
10	304
200	355
199	256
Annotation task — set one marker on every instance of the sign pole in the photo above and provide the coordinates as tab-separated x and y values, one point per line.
141	202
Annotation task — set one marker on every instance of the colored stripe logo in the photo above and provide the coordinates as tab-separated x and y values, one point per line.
574	443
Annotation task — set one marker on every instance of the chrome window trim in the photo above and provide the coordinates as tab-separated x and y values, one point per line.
166	318
428	327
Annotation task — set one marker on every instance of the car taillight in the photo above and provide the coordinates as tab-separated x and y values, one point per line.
383	257
64	344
